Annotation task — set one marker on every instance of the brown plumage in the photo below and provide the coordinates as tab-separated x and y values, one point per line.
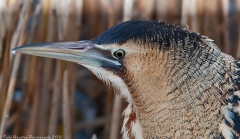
178	83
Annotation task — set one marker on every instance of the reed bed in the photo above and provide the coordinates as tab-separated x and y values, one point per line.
47	97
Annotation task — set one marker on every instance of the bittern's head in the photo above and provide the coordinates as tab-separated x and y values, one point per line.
128	55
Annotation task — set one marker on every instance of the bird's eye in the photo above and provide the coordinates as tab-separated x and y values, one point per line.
120	54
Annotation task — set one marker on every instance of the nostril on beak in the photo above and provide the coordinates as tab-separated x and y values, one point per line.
75	48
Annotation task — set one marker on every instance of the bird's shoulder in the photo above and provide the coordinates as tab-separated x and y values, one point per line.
230	126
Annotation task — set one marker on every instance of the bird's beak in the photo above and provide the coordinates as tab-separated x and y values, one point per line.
82	52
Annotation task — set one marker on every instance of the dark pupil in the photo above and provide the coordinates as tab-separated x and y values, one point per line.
119	54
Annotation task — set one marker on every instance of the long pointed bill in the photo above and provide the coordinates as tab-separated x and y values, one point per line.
82	52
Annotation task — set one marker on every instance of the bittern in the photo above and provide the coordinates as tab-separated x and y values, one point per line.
178	84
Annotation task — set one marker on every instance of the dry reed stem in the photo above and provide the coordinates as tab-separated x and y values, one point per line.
5	72
66	17
20	106
3	4
52	30
16	35
16	64
238	14
34	111
193	15
72	72
0	81
207	20
226	46
7	26
32	75
33	37
174	16
79	11
11	86
63	19
147	9
107	7
46	11
21	25
73	17
56	100
7	105
108	108
200	14
45	95
33	79
66	108
33	90
57	81
127	9
185	11
116	117
216	27
161	11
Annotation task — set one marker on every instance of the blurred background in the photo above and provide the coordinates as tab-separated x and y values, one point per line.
46	97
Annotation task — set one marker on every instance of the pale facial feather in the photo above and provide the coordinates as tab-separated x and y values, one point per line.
113	81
